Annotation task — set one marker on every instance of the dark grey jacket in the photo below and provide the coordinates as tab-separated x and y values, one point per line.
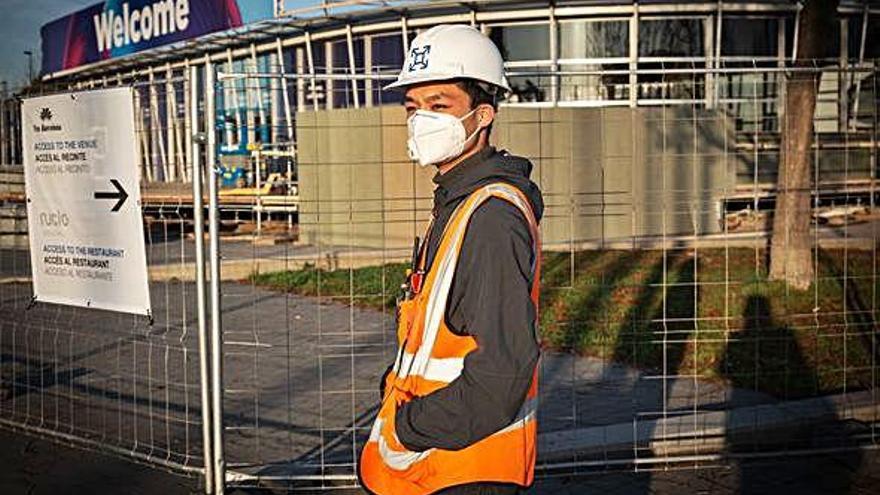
490	301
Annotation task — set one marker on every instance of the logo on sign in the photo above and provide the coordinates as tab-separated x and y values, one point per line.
418	58
54	219
45	115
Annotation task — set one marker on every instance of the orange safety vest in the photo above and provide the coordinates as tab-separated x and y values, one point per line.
429	357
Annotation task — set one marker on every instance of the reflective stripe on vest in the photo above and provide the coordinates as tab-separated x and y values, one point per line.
429	357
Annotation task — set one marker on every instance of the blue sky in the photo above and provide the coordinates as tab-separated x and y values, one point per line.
21	23
20	26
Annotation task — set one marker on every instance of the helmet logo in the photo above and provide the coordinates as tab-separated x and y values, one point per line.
418	58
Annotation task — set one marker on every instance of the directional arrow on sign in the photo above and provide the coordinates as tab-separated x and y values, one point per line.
120	195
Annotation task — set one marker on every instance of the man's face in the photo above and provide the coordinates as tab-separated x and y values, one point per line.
442	97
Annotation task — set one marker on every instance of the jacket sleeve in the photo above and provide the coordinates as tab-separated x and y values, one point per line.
489	300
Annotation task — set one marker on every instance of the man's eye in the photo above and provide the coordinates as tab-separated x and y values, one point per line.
439	107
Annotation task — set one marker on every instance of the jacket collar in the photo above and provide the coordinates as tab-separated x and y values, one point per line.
464	178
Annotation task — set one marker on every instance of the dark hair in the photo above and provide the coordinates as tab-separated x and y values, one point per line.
480	93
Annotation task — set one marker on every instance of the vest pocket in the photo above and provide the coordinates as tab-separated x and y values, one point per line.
409	465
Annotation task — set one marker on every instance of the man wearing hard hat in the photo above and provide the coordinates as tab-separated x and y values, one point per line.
459	401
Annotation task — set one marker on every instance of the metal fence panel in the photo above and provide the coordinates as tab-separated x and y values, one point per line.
665	343
111	381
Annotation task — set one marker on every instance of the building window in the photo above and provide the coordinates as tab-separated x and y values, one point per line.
830	50
591	47
872	38
525	49
749	37
387	53
671	38
862	100
341	89
316	89
593	39
387	58
750	96
677	43
522	42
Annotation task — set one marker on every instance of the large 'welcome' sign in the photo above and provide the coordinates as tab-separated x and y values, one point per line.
120	27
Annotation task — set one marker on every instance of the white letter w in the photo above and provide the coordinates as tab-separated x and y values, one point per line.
104	30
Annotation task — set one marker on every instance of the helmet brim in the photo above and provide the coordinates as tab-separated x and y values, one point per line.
402	84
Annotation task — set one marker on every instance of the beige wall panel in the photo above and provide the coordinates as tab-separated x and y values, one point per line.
607	174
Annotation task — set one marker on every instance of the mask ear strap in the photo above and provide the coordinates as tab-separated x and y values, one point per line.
475	133
479	120
479	127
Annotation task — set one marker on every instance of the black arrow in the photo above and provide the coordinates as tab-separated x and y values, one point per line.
119	195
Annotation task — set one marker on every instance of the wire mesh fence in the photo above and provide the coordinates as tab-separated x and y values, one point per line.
665	340
121	383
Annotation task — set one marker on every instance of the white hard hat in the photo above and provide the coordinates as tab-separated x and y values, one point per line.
452	51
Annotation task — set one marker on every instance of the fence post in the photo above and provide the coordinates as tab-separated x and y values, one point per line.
199	225
4	137
213	235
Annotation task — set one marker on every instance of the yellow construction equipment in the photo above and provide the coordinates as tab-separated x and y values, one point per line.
273	185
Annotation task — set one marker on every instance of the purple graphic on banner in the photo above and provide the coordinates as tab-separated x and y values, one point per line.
119	27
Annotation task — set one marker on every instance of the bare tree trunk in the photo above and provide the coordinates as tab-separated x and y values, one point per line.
791	257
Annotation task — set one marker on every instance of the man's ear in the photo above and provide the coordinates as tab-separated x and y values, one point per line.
485	115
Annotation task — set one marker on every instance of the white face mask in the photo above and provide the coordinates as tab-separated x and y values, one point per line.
436	137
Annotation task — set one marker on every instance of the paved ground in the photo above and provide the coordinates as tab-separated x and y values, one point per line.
300	380
34	466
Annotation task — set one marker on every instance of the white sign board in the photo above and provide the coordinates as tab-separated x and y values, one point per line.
83	200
